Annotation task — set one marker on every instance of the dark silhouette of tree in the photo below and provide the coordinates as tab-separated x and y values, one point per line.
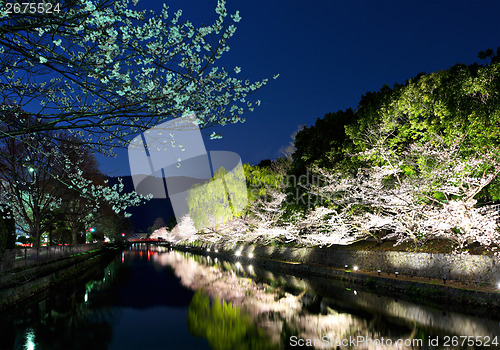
159	223
52	177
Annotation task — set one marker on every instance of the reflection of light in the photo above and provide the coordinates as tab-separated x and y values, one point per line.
250	268
250	255
216	250
238	266
355	268
30	339
208	250
355	293
123	257
86	297
215	260
498	285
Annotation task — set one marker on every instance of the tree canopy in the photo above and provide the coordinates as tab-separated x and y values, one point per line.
104	70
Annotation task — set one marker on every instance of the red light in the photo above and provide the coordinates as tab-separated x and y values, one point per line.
123	234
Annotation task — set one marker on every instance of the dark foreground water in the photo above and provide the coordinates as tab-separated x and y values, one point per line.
149	297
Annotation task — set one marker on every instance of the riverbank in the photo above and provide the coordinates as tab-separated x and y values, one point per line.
447	278
20	284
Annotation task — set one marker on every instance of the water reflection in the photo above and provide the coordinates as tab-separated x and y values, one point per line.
150	297
58	318
289	307
125	304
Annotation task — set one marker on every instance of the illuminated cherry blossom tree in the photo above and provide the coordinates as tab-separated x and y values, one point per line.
39	177
104	70
425	192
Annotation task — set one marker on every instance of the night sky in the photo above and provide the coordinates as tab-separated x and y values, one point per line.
328	54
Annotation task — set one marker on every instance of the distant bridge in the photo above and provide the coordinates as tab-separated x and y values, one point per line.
147	240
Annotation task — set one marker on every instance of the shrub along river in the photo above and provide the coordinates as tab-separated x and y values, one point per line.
151	297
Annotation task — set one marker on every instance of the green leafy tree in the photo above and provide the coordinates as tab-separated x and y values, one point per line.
324	143
224	326
219	200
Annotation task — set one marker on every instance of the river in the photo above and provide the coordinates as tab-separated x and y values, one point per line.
152	297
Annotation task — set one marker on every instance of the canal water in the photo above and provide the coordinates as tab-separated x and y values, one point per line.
151	297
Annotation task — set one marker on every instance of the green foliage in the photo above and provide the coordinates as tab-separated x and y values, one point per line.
460	105
260	180
218	200
224	326
368	113
325	143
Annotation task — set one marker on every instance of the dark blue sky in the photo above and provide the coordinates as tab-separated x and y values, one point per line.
328	53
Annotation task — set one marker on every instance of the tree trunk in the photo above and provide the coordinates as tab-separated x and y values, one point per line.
73	235
50	235
36	235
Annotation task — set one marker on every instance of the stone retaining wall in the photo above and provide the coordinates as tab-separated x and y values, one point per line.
15	287
463	268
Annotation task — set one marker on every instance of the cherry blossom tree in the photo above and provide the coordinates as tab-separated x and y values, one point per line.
423	192
40	177
104	70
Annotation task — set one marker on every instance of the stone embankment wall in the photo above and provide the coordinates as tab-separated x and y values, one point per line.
16	286
462	268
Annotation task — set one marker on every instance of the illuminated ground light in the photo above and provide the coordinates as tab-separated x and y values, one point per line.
30	339
355	268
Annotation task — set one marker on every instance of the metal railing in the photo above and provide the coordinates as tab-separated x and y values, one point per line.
22	257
